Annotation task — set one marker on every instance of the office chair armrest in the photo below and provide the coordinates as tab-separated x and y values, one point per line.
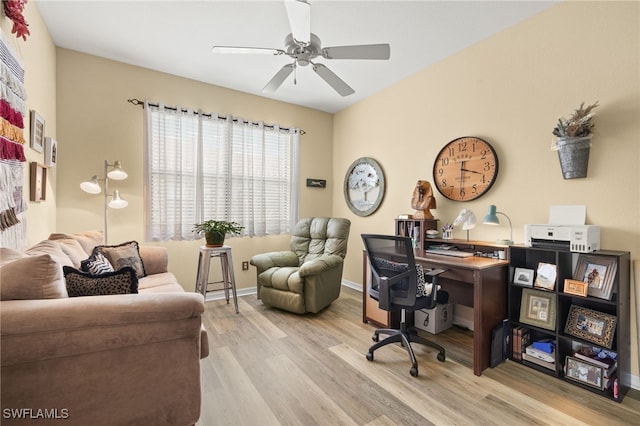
385	285
265	261
433	274
320	264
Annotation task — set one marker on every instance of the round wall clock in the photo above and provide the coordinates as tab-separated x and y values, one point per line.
465	168
364	186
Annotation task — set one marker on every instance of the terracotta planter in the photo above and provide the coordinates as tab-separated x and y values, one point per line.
573	153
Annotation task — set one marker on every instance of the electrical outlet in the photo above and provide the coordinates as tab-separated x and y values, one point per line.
245	266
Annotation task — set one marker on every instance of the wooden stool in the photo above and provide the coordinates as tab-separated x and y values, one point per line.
226	263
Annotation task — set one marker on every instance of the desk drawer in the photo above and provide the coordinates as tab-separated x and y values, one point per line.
452	273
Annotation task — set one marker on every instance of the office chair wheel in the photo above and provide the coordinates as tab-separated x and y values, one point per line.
414	371
375	338
441	357
370	356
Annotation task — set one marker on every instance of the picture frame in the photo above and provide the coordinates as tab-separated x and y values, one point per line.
575	287
584	372
546	276
592	326
50	152
364	186
37	131
599	273
538	308
523	277
38	182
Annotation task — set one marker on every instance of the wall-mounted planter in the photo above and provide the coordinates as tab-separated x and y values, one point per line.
573	153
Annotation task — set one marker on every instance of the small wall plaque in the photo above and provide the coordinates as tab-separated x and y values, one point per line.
316	183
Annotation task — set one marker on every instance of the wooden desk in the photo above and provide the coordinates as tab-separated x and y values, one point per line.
477	282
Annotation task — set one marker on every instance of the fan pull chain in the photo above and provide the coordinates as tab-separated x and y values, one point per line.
295	74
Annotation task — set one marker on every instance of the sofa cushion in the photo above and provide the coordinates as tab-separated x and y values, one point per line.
125	254
73	250
51	248
79	283
88	239
96	264
32	277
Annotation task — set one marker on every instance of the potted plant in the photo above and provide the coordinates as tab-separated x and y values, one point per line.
215	231
574	141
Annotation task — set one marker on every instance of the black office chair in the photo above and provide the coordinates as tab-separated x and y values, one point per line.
397	283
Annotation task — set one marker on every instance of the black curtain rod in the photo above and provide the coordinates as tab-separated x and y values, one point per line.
135	101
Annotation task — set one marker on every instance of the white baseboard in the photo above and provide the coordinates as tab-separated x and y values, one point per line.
219	294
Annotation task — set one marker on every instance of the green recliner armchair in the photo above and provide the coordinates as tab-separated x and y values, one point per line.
307	278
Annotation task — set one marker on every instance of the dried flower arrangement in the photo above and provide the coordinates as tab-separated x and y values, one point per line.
577	124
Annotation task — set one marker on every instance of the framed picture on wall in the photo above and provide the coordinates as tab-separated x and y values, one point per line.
38	184
50	152
37	131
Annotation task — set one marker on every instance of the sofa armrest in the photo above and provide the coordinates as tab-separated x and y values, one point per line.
280	259
35	330
155	259
320	264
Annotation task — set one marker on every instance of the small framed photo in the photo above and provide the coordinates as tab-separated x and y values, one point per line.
578	288
38	187
546	276
523	277
592	326
598	272
584	372
538	308
50	152
37	131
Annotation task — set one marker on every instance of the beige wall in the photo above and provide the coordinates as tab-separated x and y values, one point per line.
96	123
39	59
510	90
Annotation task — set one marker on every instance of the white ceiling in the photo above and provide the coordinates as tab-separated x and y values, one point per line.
176	37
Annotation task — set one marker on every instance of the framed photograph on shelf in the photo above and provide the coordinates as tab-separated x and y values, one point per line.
598	272
523	277
578	288
50	152
538	308
592	326
584	372
37	131
546	276
38	187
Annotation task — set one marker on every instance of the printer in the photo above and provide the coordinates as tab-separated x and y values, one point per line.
565	231
576	238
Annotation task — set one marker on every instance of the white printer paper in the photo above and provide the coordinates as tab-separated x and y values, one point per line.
567	215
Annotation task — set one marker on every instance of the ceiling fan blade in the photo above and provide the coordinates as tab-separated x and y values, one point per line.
333	80
364	51
247	50
299	12
279	78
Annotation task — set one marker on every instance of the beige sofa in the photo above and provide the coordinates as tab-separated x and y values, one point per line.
115	359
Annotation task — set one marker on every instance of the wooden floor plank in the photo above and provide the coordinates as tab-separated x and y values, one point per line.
271	367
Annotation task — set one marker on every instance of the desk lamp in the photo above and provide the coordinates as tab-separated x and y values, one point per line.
92	186
467	219
492	219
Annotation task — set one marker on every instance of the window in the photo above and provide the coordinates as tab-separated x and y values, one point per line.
201	167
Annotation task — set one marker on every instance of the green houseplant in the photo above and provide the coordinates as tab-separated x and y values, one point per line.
215	231
574	141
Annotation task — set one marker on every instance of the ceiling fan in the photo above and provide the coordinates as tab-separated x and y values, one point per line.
304	46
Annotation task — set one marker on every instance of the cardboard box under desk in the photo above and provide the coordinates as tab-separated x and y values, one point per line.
434	320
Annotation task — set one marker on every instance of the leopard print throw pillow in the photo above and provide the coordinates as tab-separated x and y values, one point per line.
122	281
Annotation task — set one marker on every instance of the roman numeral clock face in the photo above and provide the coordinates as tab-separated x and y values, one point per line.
465	169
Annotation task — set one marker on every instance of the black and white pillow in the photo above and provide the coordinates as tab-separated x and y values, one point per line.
424	289
97	264
79	283
125	254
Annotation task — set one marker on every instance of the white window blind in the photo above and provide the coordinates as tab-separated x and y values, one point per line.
201	167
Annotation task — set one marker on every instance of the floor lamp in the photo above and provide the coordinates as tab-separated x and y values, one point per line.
111	171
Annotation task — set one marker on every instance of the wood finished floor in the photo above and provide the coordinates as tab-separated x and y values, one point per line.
270	367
